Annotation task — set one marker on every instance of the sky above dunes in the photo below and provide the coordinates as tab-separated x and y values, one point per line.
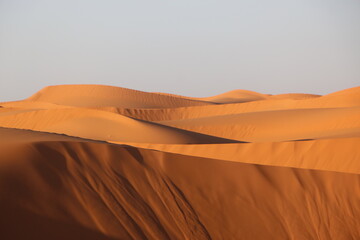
193	48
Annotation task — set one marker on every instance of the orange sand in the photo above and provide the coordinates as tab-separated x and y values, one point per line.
102	162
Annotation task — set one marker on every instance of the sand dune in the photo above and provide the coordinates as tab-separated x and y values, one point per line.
104	126
323	154
282	125
295	96
102	162
236	96
130	193
99	95
20	135
342	99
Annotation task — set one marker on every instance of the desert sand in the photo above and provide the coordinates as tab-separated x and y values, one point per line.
103	162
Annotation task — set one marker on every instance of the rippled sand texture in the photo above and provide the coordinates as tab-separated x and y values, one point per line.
102	162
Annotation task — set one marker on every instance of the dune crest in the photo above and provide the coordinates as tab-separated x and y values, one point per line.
101	95
236	96
103	162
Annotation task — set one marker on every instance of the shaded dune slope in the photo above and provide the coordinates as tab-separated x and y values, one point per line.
117	192
102	162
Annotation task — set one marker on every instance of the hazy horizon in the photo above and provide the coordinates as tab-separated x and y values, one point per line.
188	48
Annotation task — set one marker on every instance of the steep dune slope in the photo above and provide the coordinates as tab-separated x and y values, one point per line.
76	190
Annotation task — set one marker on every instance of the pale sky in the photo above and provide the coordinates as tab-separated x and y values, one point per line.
187	47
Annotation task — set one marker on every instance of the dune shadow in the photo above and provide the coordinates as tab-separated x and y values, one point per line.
19	223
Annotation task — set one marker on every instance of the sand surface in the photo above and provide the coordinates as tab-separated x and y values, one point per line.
103	162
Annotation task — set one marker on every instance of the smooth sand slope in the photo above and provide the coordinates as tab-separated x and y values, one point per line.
280	125
100	95
102	162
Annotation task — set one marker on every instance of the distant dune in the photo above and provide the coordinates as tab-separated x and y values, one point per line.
103	162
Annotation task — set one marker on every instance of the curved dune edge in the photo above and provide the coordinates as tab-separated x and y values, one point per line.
99	191
281	125
323	154
340	155
101	95
295	96
287	125
99	125
236	96
344	99
15	135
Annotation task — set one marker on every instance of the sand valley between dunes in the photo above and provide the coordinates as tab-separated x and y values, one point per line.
102	162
